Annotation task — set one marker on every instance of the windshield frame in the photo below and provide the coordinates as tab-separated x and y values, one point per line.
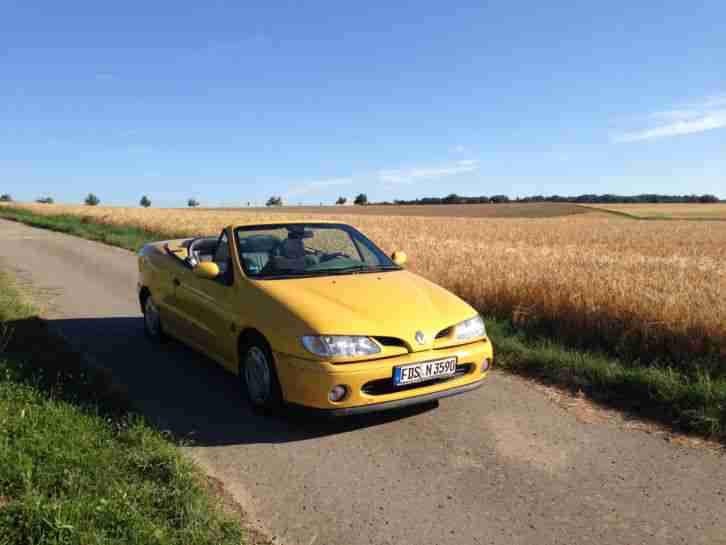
386	263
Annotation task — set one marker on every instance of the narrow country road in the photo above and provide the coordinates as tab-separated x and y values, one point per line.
502	465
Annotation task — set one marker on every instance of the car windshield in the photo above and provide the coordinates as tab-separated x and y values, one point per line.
314	249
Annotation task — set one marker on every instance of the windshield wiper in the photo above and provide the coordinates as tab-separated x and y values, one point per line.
343	270
354	269
363	269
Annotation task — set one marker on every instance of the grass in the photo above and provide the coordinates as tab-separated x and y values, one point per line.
614	319
128	237
76	467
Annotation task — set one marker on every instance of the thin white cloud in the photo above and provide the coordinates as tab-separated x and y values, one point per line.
458	149
411	175
715	120
690	118
104	76
310	187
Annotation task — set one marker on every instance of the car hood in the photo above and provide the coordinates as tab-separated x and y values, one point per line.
390	304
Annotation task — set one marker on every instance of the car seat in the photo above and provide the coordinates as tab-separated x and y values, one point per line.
292	255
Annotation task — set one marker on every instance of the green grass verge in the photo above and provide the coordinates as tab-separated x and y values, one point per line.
686	397
130	238
692	402
74	471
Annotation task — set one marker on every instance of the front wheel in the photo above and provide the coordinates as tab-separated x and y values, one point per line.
258	376
152	321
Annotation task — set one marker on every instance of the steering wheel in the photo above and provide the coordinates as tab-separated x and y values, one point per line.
334	255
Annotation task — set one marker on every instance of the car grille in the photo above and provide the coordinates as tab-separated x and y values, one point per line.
385	386
391	341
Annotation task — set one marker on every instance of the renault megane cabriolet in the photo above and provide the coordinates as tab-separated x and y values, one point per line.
313	314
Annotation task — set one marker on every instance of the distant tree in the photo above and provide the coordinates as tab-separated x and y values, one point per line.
5	197
703	198
92	200
453	198
341	200
145	201
274	201
361	199
498	199
45	200
192	203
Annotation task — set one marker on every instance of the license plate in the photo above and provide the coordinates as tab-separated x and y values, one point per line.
426	370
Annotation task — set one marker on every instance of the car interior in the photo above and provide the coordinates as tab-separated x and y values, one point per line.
257	252
271	253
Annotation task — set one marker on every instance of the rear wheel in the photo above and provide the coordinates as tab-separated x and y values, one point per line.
258	377
152	321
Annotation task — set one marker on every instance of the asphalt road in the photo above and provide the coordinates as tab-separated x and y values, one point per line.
502	465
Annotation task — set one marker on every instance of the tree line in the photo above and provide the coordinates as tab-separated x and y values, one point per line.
589	198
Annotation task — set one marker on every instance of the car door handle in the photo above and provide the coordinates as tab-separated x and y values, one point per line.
177	283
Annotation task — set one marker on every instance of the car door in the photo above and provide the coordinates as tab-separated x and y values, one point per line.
209	309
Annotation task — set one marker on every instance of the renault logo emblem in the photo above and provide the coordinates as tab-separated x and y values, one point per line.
420	337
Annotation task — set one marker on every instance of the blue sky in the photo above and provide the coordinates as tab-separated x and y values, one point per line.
231	102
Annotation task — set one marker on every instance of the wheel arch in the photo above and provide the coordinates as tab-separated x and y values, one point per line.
249	334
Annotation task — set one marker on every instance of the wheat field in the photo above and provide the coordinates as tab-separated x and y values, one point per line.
641	289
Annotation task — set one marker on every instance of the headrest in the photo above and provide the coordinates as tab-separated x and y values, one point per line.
259	243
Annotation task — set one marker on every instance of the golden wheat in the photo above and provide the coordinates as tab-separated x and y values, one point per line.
645	288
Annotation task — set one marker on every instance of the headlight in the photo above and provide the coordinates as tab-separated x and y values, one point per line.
340	345
470	329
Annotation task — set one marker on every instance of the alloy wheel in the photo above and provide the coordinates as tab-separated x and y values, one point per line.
257	376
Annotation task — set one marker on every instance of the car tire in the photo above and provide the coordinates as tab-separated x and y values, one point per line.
153	327
258	377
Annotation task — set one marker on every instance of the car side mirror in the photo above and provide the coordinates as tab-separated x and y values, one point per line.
399	258
208	270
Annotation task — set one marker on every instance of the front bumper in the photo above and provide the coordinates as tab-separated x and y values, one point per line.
307	383
400	403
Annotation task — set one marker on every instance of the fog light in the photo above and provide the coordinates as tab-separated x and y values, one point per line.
337	393
486	364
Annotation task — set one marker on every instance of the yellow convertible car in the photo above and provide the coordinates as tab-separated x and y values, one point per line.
313	314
